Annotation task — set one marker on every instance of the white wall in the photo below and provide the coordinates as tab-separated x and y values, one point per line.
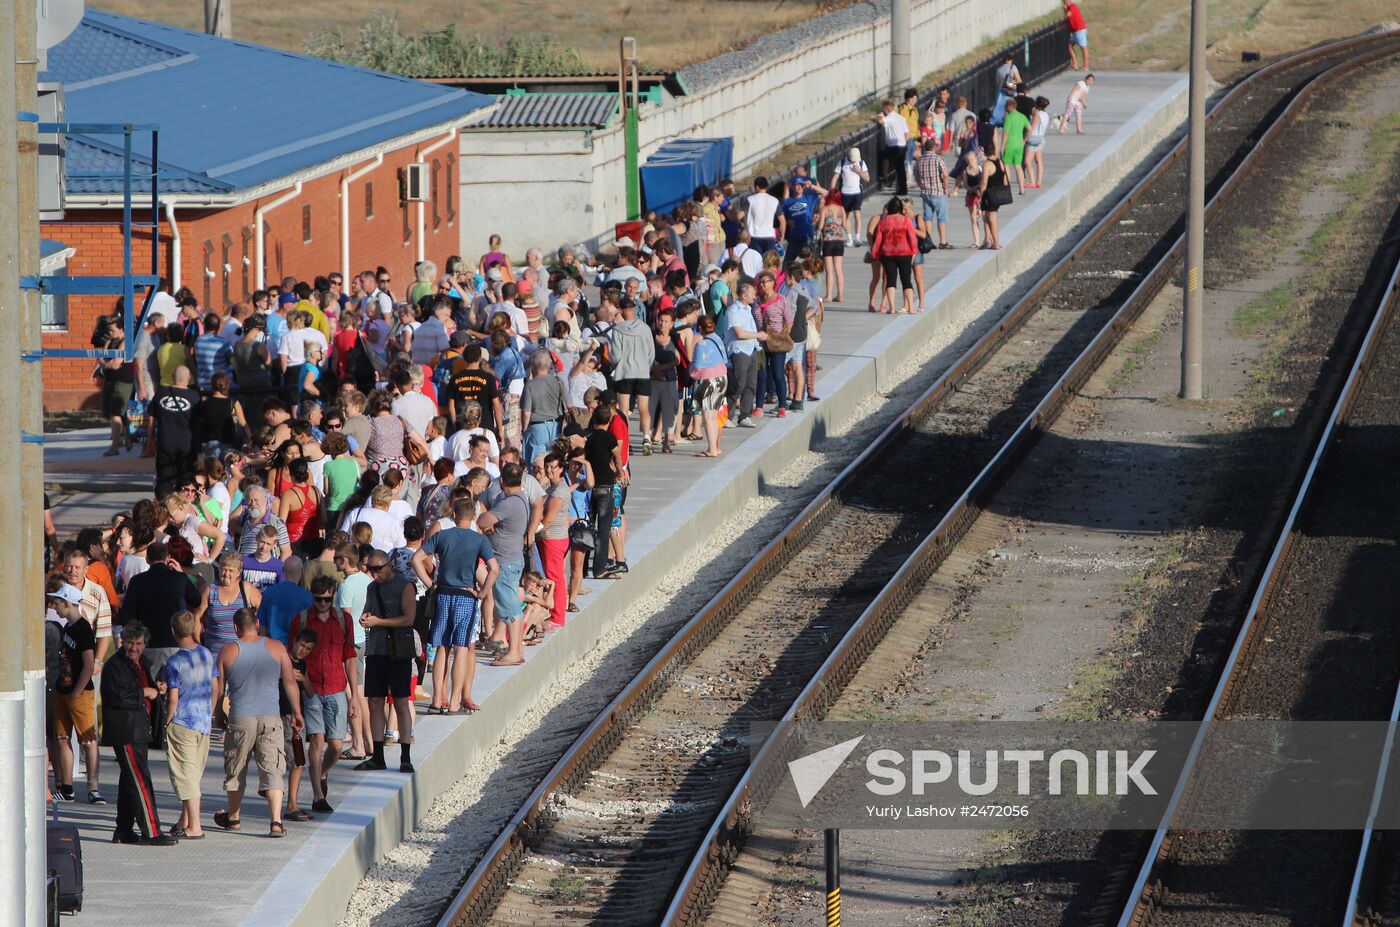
533	185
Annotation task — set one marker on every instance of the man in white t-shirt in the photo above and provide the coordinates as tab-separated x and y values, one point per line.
375	304
764	221
894	140
850	174
750	260
412	406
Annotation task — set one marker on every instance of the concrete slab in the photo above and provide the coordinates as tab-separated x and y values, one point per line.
675	504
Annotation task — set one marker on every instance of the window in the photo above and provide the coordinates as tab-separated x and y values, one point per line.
369	200
53	307
451	189
437	216
225	271
247	260
306	223
208	274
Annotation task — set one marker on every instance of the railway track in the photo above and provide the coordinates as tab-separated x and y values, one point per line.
665	771
1318	643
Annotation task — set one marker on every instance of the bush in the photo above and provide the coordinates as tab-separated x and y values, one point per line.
381	46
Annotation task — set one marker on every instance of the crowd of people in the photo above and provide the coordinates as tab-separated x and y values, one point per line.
363	488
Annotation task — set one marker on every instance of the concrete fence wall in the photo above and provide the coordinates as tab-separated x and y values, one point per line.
549	187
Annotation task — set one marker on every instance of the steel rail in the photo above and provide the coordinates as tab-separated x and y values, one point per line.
699	885
1139	901
1350	919
491	876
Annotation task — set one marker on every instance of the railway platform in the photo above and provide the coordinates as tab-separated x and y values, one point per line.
675	504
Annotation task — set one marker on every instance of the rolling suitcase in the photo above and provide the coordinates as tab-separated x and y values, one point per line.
66	861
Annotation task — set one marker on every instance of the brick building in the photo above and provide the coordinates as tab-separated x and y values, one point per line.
311	151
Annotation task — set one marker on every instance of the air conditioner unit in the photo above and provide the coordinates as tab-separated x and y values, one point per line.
415	183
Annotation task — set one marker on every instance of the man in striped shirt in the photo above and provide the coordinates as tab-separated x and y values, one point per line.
212	354
932	176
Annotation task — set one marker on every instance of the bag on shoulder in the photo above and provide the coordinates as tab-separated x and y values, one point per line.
582	535
778	343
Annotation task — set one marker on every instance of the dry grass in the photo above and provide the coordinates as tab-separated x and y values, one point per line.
1153	34
670	33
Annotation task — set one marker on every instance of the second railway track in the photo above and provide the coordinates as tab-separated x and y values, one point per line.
610	833
1319	643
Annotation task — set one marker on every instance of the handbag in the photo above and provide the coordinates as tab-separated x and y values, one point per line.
998	194
927	244
415	449
582	535
778	343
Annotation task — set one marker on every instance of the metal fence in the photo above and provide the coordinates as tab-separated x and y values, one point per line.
1040	55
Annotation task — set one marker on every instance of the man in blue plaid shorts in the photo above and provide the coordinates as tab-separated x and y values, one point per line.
458	550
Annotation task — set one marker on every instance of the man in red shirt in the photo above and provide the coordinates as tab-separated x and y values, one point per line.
1078	36
330	693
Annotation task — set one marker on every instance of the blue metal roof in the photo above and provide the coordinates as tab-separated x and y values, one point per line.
232	115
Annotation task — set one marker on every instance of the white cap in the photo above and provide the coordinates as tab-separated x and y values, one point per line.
625	242
68	593
853	156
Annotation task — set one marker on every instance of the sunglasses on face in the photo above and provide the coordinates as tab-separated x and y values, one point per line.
332	424
324	598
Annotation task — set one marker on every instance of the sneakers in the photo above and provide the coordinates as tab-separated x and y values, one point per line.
63	793
95	797
781	413
756	413
795	406
619	566
321	806
746	423
731	424
646	448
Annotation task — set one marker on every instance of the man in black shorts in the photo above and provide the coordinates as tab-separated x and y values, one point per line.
634	352
390	604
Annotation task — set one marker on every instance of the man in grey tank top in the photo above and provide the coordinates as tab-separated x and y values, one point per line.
253	668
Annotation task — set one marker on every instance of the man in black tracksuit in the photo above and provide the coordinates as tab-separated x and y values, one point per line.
127	693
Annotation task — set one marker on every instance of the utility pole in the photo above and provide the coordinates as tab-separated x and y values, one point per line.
29	597
901	57
1191	319
218	18
22	840
627	65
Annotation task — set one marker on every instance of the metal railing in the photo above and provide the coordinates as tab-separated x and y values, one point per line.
1040	55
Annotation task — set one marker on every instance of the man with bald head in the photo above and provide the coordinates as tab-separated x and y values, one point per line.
283	601
172	413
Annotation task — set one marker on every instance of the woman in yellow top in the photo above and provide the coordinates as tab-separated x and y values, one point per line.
318	318
173	354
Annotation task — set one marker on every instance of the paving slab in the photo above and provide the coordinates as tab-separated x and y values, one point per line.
675	503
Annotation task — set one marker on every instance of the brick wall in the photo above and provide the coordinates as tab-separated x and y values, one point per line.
211	239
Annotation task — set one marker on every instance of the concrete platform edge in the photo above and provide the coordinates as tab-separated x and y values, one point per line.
315	886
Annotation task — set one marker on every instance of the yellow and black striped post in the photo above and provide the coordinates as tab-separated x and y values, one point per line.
833	877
